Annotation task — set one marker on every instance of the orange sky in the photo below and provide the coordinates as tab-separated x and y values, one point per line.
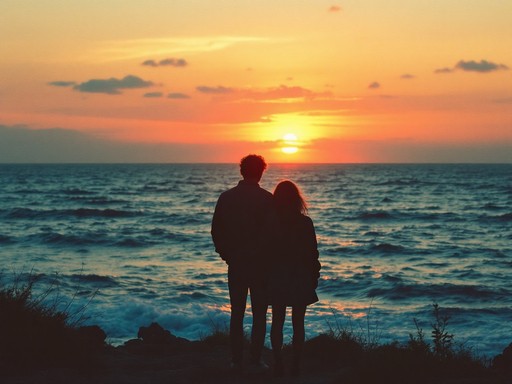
209	81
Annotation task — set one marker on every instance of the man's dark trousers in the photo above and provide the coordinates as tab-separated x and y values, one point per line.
242	281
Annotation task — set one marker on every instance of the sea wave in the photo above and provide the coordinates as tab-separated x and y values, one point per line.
134	242
88	238
97	280
413	214
28	213
404	182
76	191
506	217
88	212
4	239
491	207
463	293
56	238
387	248
375	215
100	200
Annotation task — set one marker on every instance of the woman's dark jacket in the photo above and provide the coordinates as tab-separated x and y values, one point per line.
294	266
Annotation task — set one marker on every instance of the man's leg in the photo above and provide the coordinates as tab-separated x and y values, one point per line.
259	308
238	297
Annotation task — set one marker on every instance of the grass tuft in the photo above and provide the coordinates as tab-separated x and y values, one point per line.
416	361
218	335
36	335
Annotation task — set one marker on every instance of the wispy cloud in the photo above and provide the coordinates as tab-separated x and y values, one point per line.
140	48
166	63
153	94
506	100
334	8
112	86
62	83
374	85
281	93
218	90
482	66
178	96
407	76
443	70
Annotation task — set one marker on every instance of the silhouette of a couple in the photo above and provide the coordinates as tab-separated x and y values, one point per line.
270	247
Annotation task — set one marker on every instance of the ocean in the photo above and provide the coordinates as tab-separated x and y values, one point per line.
124	245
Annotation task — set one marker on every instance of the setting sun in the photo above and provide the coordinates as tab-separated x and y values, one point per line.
290	142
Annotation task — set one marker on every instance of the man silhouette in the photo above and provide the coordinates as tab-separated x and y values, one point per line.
238	232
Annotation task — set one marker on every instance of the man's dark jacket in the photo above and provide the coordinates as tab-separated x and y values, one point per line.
240	225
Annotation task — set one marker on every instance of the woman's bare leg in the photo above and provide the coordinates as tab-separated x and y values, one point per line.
299	334
276	336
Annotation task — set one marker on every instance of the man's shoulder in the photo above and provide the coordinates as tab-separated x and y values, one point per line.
229	191
267	193
244	188
241	193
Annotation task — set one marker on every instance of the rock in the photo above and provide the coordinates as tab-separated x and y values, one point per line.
155	334
503	362
92	335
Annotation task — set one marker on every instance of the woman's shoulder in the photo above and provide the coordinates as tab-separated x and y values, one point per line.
306	221
296	222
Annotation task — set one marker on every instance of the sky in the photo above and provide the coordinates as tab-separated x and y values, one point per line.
293	80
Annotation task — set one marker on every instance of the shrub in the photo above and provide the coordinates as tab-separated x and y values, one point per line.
37	335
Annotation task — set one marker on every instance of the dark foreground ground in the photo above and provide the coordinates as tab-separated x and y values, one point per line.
162	358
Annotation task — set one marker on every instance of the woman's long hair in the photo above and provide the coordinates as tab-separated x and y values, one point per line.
288	199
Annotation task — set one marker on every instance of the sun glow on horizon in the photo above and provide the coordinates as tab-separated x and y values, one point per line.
290	144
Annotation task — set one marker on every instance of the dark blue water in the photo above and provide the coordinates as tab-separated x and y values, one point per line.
393	240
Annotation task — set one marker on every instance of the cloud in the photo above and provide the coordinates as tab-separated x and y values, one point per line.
444	70
374	85
506	100
407	76
62	83
112	86
335	8
411	151
218	90
20	144
153	94
177	95
143	48
482	66
174	62
166	63
282	92
150	63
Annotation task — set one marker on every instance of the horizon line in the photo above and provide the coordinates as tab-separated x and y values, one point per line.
269	163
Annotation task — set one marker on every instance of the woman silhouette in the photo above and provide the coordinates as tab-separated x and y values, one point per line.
295	270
